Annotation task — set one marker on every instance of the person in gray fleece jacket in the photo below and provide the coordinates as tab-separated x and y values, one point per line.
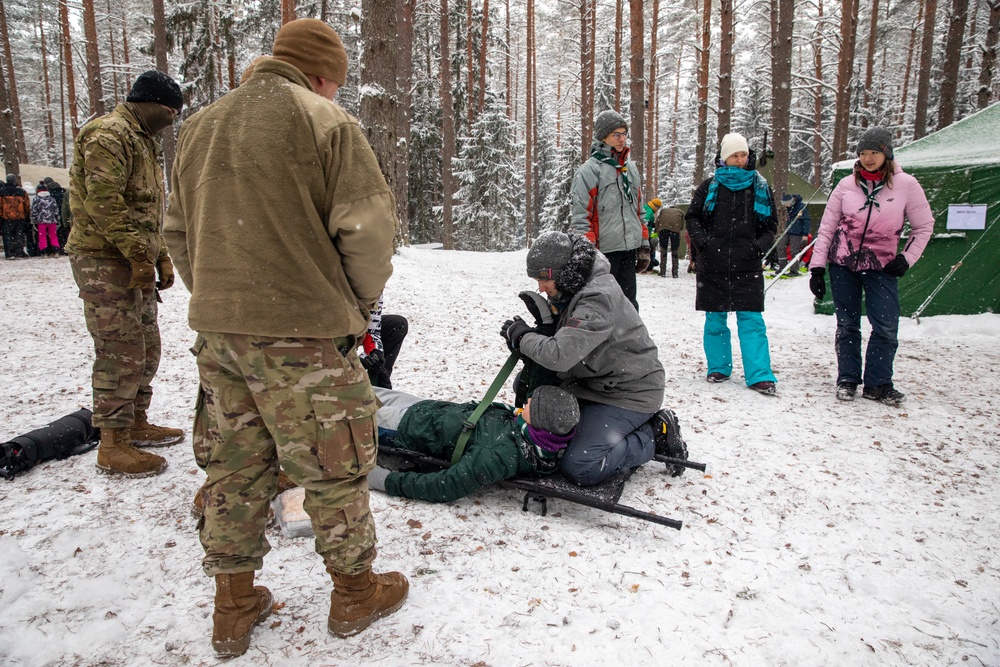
603	355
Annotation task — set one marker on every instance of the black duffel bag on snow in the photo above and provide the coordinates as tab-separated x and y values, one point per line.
65	437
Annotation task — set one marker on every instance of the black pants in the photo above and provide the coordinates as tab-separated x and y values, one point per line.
394	328
623	270
13	237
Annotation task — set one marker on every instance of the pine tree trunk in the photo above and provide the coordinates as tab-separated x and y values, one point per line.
12	98
506	55
909	66
974	14
68	66
952	62
870	64
404	79
114	59
845	72
94	88
924	73
287	11
652	117
8	135
50	133
482	57
673	122
703	65
447	134
818	99
637	89
379	112
781	104
619	29
169	138
586	84
529	120
989	57
470	107
726	39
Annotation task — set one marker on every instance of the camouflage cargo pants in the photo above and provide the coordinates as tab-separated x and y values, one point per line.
299	402
126	336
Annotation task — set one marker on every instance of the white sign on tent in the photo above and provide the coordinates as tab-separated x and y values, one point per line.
967	216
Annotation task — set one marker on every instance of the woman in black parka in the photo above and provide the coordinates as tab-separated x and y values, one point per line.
732	223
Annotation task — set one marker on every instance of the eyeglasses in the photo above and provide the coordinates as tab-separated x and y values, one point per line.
619	135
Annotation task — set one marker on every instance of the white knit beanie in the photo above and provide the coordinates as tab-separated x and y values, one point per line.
732	143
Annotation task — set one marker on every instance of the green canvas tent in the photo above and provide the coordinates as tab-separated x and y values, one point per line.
959	164
814	198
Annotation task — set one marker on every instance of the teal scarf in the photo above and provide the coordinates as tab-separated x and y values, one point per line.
870	194
736	179
600	156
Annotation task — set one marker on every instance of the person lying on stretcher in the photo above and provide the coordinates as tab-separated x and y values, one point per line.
506	441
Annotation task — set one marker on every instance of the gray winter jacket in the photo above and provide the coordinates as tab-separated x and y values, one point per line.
601	210
601	349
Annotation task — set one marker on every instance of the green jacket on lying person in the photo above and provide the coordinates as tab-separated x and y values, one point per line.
505	442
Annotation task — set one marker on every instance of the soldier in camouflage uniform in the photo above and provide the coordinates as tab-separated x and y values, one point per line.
282	282
116	251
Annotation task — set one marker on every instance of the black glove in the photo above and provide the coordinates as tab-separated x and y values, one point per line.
373	360
538	306
513	331
898	266
817	282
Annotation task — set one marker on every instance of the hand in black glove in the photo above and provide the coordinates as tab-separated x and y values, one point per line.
513	330
817	282
538	306
373	360
898	266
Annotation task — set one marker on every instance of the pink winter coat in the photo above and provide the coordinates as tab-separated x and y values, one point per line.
863	238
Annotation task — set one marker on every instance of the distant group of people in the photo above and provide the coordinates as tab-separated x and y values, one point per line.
34	226
284	292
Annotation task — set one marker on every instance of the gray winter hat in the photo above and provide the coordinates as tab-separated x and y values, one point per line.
548	255
876	139
607	122
554	410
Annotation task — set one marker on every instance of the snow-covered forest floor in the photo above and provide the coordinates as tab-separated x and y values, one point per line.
823	533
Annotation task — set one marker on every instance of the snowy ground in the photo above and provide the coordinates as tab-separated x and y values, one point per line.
823	533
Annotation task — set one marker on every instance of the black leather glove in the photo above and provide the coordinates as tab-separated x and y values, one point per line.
513	330
898	266
538	306
817	282
373	360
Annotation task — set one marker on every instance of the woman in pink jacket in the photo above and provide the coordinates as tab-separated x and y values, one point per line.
859	239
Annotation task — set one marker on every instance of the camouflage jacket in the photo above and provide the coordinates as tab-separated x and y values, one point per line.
116	190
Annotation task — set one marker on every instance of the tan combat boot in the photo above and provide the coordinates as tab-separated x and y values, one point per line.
117	456
239	606
145	434
358	600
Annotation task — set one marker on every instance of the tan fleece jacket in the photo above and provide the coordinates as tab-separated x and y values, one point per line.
279	222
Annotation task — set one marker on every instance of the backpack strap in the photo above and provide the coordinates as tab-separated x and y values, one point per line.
470	423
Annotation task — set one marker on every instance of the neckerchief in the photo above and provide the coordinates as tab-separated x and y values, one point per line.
870	200
736	179
599	155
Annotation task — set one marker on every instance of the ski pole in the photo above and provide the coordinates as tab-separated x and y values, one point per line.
791	263
670	460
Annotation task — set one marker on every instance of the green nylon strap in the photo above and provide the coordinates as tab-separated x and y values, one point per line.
470	423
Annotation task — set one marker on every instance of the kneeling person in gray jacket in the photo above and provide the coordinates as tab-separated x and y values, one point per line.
602	354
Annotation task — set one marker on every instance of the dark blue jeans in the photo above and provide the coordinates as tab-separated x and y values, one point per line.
881	300
608	440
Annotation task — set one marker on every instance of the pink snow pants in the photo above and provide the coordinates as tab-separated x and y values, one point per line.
47	235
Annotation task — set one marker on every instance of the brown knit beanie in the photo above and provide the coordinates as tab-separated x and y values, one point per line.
313	47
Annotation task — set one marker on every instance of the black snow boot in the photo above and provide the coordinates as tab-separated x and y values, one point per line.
884	394
668	440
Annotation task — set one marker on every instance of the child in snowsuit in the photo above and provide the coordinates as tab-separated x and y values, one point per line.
504	443
45	218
